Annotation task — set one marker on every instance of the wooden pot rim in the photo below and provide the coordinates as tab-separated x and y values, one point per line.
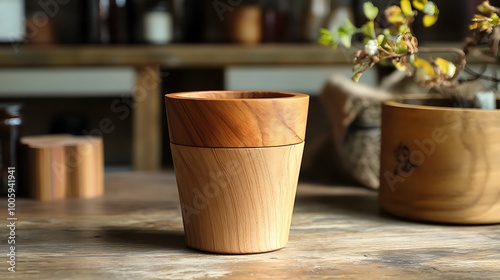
236	95
400	103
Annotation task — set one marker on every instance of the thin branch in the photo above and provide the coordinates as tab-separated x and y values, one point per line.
478	75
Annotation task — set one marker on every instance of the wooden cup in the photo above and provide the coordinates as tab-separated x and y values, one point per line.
237	158
440	164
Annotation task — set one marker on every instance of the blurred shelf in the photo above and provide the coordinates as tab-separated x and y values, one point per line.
173	56
146	59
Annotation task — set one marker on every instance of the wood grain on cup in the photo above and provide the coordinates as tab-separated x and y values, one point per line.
237	118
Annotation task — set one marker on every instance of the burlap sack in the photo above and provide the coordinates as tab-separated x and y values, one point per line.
354	112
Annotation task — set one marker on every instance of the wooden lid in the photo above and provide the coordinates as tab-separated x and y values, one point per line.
237	118
58	140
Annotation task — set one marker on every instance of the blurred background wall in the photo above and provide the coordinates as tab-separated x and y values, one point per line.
70	100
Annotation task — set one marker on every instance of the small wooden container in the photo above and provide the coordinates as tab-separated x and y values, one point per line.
61	166
237	158
440	164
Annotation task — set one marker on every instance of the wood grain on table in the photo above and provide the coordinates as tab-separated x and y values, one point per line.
135	232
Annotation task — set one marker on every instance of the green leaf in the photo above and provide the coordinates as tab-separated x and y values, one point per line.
381	39
484	9
348	29
345	40
326	37
404	29
349	26
369	29
324	31
494	19
401	48
371	12
412	59
356	76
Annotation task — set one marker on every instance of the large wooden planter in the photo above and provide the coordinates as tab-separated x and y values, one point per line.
440	164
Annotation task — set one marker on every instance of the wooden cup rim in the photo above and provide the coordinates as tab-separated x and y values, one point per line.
237	118
236	95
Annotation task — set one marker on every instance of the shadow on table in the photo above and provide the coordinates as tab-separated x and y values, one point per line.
365	205
158	239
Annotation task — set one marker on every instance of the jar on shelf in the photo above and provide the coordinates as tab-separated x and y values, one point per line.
158	24
244	24
10	131
12	28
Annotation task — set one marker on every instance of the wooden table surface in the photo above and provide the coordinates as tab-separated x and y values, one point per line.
135	232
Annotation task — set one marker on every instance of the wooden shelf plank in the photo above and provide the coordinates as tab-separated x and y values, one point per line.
206	55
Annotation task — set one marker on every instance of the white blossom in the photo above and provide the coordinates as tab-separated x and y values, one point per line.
430	8
371	48
451	69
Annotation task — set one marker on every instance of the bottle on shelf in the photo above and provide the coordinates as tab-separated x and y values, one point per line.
214	24
10	130
92	22
104	30
158	23
276	19
119	21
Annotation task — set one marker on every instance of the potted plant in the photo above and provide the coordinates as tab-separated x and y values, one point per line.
440	155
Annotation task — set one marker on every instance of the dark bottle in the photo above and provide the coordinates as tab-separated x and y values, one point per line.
92	22
276	18
119	21
10	130
188	20
103	19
